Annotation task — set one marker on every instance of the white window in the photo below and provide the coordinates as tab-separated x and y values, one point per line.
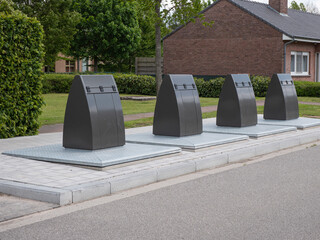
299	63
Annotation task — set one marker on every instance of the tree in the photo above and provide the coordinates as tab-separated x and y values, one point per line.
182	11
309	7
108	33
6	7
296	6
58	21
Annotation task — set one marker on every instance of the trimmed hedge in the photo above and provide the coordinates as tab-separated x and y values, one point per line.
126	83
307	89
135	84
57	83
212	88
146	85
21	54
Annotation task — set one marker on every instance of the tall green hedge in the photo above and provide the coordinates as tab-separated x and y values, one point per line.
21	54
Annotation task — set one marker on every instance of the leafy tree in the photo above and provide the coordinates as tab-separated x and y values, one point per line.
108	33
182	11
296	6
208	3
58	21
6	7
309	7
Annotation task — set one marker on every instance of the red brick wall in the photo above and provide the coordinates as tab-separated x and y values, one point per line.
302	47
279	5
236	43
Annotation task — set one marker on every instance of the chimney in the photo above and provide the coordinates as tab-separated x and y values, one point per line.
279	5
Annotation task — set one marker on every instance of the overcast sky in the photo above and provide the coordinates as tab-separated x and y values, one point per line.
314	2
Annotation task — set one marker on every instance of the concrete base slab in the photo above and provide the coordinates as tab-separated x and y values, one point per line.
96	158
300	123
189	142
252	131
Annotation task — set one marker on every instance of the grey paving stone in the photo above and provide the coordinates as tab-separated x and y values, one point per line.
132	180
13	207
211	161
39	193
175	170
79	184
90	190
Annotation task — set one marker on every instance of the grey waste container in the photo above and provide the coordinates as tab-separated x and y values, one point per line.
93	118
237	103
178	111
281	100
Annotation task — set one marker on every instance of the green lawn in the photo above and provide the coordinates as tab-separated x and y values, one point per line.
53	112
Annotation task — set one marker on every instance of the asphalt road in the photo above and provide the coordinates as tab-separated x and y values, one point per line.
278	198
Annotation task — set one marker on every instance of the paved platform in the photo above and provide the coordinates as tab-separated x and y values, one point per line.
300	123
65	184
193	142
256	131
97	158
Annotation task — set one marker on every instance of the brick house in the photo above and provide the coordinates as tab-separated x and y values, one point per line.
68	65
247	37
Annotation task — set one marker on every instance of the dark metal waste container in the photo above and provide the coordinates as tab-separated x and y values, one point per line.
237	103
178	111
281	100
93	118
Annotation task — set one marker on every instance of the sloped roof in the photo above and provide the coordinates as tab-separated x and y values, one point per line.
296	24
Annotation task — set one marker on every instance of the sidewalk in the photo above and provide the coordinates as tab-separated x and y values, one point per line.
65	184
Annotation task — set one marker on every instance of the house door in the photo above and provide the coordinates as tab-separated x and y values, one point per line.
317	67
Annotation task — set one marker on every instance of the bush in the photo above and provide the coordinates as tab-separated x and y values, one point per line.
146	85
21	54
211	88
260	85
57	83
126	83
135	84
307	89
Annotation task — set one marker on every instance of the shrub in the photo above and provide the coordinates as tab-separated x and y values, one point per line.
307	89
146	85
57	83
21	54
126	83
260	85
135	84
211	88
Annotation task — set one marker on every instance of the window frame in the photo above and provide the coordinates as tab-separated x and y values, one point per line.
302	73
69	65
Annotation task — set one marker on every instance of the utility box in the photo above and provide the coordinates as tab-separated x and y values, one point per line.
281	100
237	104
178	111
93	118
